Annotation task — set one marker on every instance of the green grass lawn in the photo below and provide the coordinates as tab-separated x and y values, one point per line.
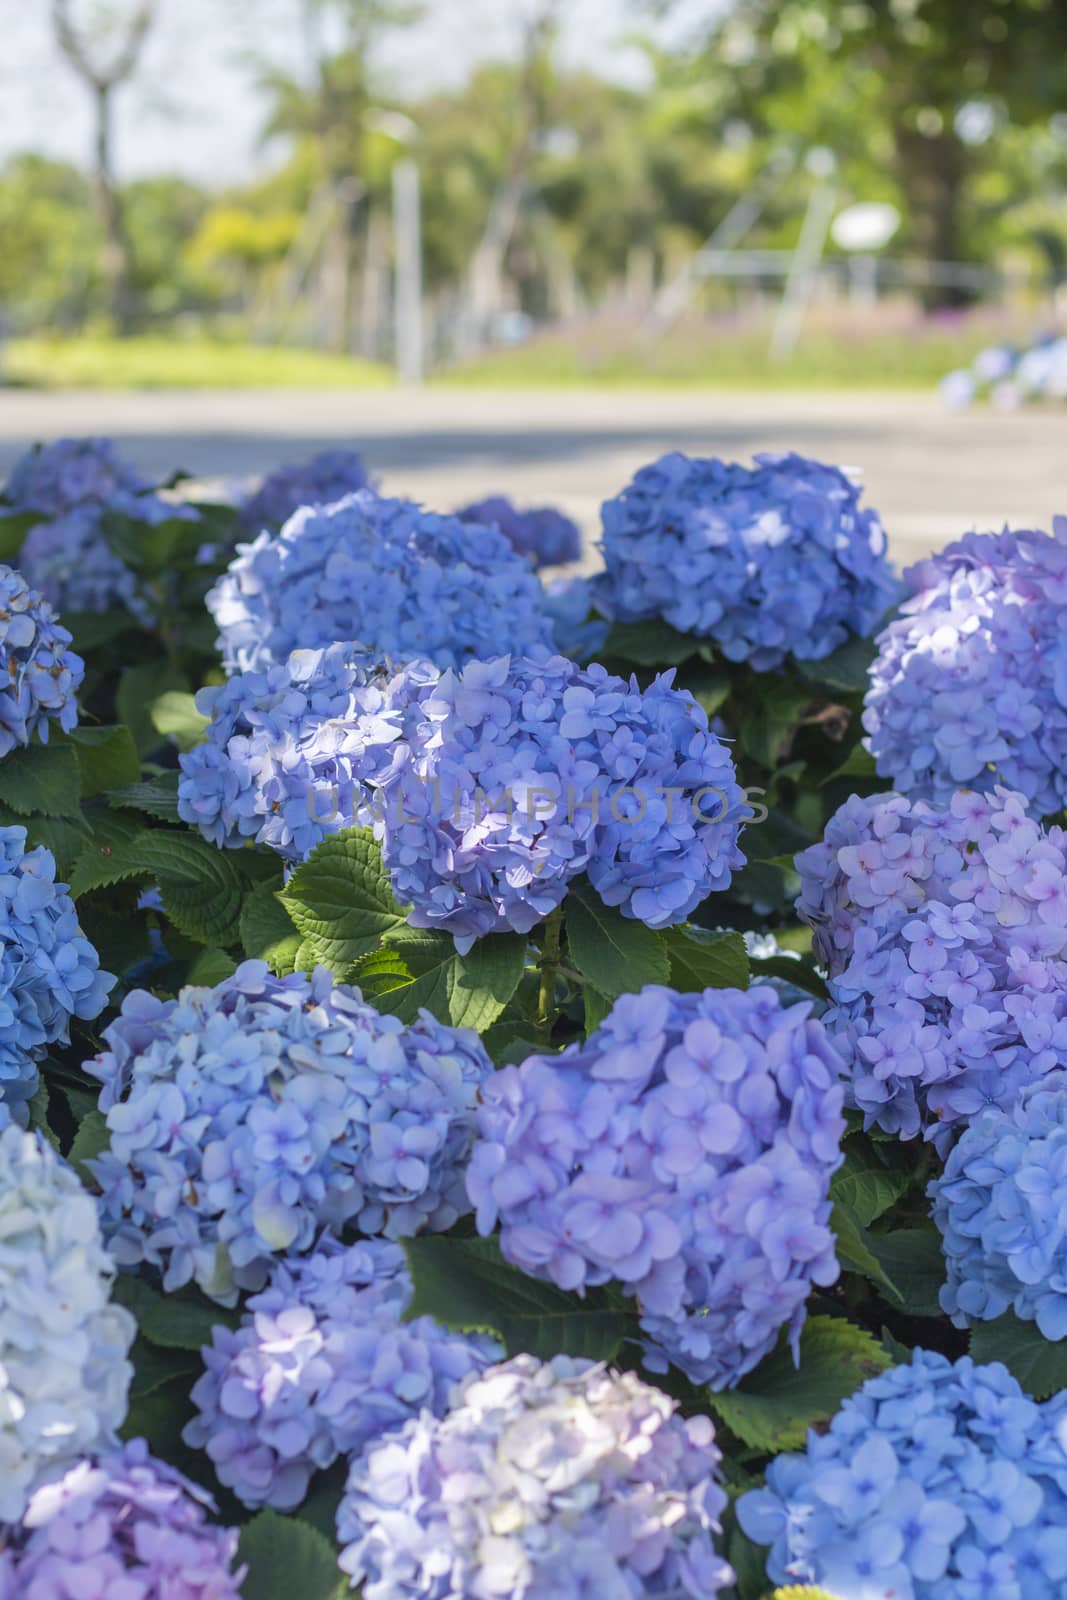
164	363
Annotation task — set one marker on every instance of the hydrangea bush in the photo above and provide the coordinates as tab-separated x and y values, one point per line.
320	1366
542	533
326	477
545	1479
56	478
40	675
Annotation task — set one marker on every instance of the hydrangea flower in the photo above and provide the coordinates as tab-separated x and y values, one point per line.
245	1118
1001	1206
49	972
290	748
321	1365
64	1372
936	1481
55	478
121	1526
684	1152
545	535
40	675
944	930
525	772
402	581
577	632
326	477
545	1481
970	682
769	561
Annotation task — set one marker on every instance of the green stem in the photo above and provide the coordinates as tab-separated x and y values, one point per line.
549	964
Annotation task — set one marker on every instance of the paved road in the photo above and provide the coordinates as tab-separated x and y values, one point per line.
933	474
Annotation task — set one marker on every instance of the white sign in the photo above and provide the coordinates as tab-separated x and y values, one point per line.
867	226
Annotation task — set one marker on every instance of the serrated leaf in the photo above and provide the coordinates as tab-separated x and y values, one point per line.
110	831
379	972
911	1258
855	1251
467	1285
66	837
1039	1364
155	797
287	1559
481	983
267	931
868	1190
107	757
201	888
174	715
41	778
702	960
91	1139
774	1406
341	901
616	954
846	669
208	909
182	1321
653	643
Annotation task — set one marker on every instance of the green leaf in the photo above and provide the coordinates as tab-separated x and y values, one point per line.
846	669
767	732
14	526
912	1259
41	778
174	714
120	935
616	954
38	1108
91	630
91	1139
288	1559
201	887
1038	1363
211	967
156	797
107	758
703	960
860	764
111	831
154	1367
512	1041
267	930
151	548
139	687
181	1321
596	1006
481	983
422	968
774	1406
865	1187
801	974
341	900
66	837
653	643
466	1284
856	1251
710	685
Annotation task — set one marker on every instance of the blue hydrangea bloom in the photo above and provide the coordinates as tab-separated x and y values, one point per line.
936	1481
245	1118
1001	1206
769	561
321	1365
525	772
401	581
570	604
970	682
40	675
64	1367
49	972
545	535
55	478
545	1481
326	477
120	1526
684	1151
943	928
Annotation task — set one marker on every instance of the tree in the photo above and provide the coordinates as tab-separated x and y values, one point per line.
82	48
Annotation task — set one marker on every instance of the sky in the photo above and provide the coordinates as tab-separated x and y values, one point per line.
194	108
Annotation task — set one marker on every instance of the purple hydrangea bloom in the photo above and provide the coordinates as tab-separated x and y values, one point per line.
543	534
321	1365
684	1151
1001	1206
245	1118
944	930
936	1481
525	772
545	1481
970	683
121	1526
769	561
55	478
401	581
40	675
326	477
64	1368
49	972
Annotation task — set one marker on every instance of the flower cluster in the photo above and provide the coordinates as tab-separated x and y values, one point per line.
684	1151
551	1481
570	605
1001	1206
245	1118
768	561
327	477
49	972
55	478
944	930
1010	377
40	675
64	1373
402	581
321	1365
543	534
291	747
970	682
525	772
936	1481
122	1526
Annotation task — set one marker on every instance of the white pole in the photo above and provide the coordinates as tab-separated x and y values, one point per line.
407	288
804	269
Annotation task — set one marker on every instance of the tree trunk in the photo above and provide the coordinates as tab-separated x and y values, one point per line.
115	257
932	172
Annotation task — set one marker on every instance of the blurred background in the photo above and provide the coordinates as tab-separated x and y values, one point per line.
702	195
